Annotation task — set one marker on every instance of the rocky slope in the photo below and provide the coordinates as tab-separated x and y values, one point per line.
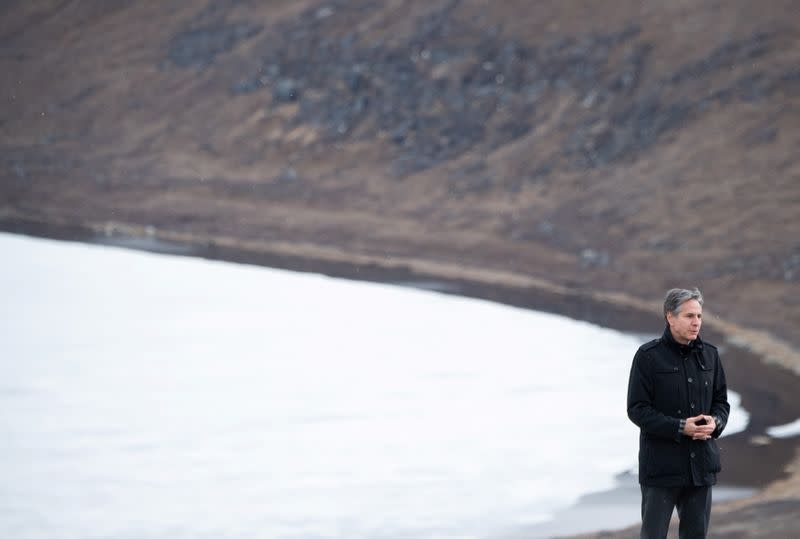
625	147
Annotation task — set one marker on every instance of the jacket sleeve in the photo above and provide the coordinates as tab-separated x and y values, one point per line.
720	408
640	403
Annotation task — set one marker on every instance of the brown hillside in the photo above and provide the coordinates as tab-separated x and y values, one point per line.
625	146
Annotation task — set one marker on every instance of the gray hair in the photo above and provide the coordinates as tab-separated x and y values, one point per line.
677	296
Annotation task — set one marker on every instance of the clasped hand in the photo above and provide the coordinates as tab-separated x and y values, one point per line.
699	427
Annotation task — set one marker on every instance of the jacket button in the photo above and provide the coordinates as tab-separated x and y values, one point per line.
679	411
691	454
692	406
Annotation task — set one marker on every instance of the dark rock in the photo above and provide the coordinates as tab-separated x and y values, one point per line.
360	105
286	90
19	170
594	258
324	12
355	81
630	131
510	131
762	135
540	173
660	242
546	228
724	57
199	47
791	268
288	174
399	134
247	86
753	87
635	62
436	114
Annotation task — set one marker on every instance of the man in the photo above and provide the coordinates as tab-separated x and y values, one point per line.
678	398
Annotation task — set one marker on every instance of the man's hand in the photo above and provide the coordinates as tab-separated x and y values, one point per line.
699	427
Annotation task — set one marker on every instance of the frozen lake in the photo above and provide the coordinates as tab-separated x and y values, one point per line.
154	396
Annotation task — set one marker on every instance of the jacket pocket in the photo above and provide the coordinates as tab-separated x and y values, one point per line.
711	455
664	457
707	379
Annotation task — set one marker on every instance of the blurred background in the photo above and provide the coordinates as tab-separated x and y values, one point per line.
572	157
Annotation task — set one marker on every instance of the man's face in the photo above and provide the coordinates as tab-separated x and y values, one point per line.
685	326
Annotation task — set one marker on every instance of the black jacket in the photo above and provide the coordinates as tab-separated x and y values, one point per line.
668	383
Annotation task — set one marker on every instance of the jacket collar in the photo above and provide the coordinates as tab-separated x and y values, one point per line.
667	337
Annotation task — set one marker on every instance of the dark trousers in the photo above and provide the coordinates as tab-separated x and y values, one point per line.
694	511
